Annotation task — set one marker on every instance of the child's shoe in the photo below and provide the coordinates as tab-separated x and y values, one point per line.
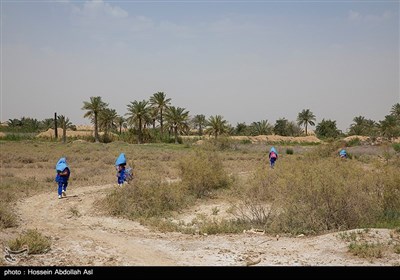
64	193
59	197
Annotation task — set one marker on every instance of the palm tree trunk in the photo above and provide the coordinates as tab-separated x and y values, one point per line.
140	131
64	131
55	126
176	134
96	131
161	122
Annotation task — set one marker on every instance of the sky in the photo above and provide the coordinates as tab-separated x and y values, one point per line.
244	60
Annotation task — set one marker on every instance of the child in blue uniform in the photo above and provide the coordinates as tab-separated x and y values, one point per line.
343	153
63	173
120	164
273	156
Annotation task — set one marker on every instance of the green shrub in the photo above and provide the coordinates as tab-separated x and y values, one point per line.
289	151
396	147
353	142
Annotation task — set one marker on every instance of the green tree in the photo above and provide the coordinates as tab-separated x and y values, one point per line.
121	122
177	119
395	111
64	123
216	125
108	120
94	107
281	127
327	129
199	122
241	129
306	117
389	127
138	113
261	128
293	129
358	126
160	102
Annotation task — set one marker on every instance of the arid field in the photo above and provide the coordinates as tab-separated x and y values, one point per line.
200	203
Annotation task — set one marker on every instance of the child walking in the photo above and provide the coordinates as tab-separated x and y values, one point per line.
63	173
273	156
120	164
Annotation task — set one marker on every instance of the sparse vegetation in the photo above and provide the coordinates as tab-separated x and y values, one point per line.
309	193
36	242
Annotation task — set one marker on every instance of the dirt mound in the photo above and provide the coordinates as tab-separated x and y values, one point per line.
70	133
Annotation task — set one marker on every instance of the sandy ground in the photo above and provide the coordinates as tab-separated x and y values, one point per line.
95	240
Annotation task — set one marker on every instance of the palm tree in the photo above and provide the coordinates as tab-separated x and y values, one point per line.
94	107
177	119
306	117
64	123
241	129
217	125
261	128
358	127
160	102
108	120
389	127
138	113
121	122
396	111
199	122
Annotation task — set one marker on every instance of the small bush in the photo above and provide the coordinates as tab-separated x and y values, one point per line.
34	240
396	147
289	151
203	172
354	142
7	218
366	250
146	199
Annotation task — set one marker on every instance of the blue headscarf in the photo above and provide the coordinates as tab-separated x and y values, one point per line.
342	152
121	159
61	164
273	150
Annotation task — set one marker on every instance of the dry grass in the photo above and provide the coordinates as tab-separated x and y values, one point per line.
308	192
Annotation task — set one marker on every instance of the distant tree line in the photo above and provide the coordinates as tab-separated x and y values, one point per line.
157	120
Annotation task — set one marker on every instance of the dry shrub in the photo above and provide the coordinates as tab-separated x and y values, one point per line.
203	172
34	240
389	181
146	198
7	217
314	195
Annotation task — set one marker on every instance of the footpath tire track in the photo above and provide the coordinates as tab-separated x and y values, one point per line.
80	237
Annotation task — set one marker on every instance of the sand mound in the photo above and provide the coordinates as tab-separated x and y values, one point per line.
70	133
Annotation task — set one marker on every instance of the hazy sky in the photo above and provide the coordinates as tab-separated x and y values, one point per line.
245	60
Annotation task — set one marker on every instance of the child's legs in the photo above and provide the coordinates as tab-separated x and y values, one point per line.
272	161
121	178
60	187
65	185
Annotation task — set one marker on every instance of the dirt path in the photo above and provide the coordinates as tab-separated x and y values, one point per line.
82	237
